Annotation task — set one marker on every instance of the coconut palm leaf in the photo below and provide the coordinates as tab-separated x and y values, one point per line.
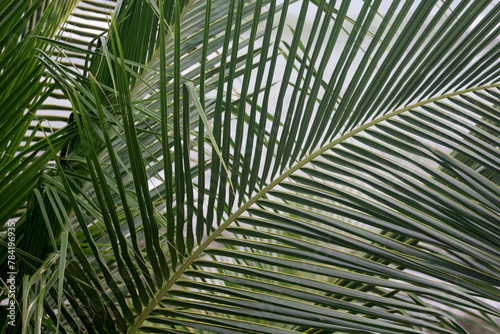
32	108
363	200
338	197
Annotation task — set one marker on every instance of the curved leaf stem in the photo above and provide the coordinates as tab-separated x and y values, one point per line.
197	252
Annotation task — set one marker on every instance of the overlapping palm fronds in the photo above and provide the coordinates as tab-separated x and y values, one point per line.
200	187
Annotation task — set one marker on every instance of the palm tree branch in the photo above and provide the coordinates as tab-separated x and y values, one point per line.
265	191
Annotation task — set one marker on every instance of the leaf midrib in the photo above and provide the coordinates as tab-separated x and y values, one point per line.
197	252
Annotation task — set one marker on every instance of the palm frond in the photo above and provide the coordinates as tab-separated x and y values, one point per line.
351	227
364	199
